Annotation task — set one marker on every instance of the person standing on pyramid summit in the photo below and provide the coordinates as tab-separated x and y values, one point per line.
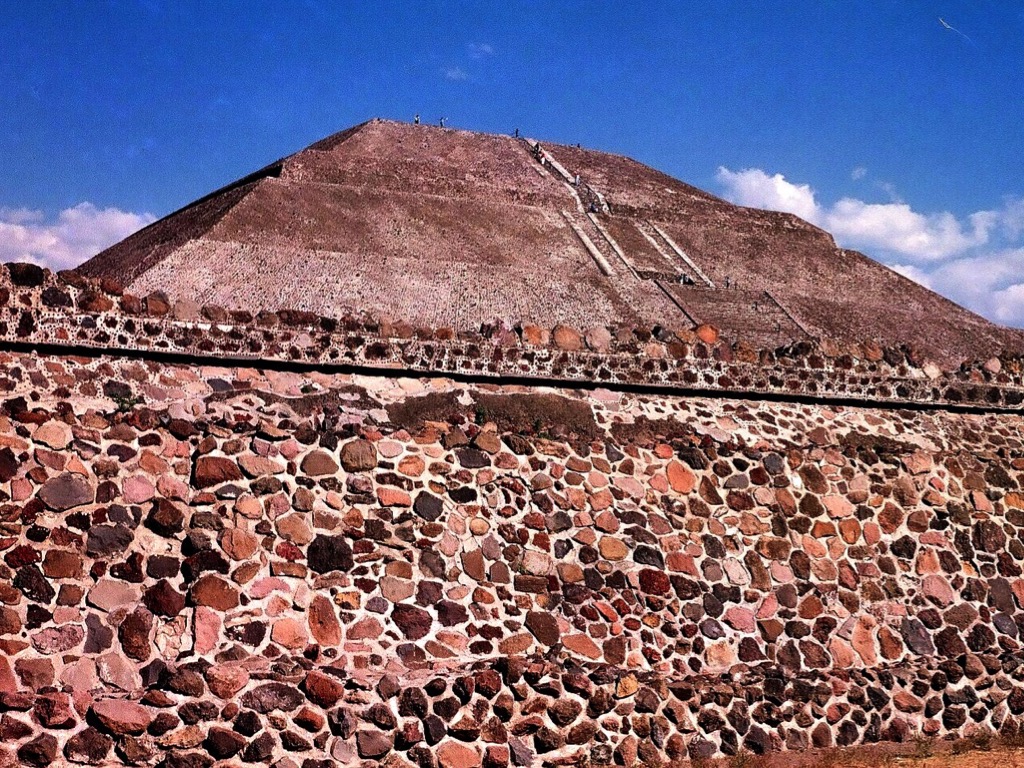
416	119
442	121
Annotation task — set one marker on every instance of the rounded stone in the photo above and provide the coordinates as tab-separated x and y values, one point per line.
358	456
67	491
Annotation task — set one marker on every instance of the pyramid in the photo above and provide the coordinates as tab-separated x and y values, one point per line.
450	228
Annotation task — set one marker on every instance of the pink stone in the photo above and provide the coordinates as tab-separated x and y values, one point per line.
263	587
980	501
112	593
740	619
736	571
781	572
393	497
225	680
769	606
118	671
172	488
937	589
537	563
137	489
364	629
58	639
452	754
838	506
720	656
918	462
389	449
21	489
629	486
843	656
582	645
206	629
54	434
8	682
79	676
863	640
928	562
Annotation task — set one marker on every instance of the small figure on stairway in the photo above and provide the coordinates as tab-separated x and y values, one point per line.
592	208
727	281
576	181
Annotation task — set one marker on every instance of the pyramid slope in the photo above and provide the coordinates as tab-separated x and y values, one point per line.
452	228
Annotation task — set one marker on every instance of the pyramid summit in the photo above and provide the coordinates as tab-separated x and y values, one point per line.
449	228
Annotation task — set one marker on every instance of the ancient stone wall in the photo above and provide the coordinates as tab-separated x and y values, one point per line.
243	566
38	308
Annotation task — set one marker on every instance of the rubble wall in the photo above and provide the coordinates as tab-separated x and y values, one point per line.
241	566
67	311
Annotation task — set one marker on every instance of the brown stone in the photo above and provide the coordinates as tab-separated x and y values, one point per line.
544	627
134	633
707	333
319	464
373	744
88	746
358	456
680	478
612	548
213	592
322	689
214	470
67	491
60	564
270	696
54	710
566	338
34	673
413	622
165	518
323	622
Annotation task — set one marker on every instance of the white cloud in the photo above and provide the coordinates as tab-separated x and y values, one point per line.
480	50
911	272
756	189
1008	305
975	260
77	234
454	73
858	173
892	227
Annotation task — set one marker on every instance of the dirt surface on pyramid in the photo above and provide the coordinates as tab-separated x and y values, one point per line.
442	227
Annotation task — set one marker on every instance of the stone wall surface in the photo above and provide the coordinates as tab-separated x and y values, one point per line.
67	310
230	565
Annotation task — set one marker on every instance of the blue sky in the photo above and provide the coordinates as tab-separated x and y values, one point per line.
872	119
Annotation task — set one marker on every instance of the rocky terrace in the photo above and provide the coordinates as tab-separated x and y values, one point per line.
67	310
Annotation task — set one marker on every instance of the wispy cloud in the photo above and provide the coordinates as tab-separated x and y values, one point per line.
858	173
480	50
977	260
454	73
74	236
